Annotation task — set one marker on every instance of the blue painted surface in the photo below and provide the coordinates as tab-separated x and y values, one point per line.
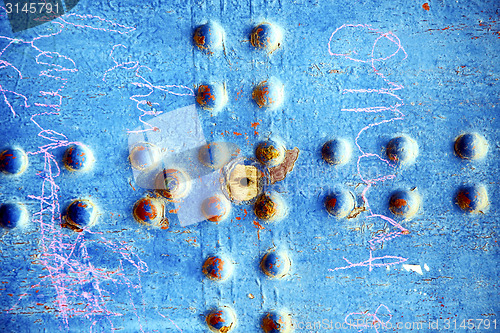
361	70
12	215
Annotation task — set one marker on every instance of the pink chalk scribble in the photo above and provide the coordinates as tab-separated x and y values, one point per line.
393	87
142	99
366	320
113	26
81	288
390	88
373	262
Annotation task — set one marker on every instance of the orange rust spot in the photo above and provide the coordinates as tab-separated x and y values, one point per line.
238	218
332	202
259	228
130	183
254	125
204	95
213	267
164	224
463	201
216	318
269	325
398	203
260	95
174	211
238	93
426	6
200	40
258	225
255	40
39	303
237	134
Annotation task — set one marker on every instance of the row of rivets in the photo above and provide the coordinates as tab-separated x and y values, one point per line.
275	264
267	94
223	320
14	161
404	150
471	199
79	213
210	37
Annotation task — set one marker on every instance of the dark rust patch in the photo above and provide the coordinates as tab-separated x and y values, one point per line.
265	208
463	201
266	154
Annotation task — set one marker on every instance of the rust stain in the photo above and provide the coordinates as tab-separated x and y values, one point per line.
269	325
426	6
261	95
191	240
237	134
164	224
130	183
398	203
259	228
265	208
279	172
463	201
238	94
332	202
355	212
